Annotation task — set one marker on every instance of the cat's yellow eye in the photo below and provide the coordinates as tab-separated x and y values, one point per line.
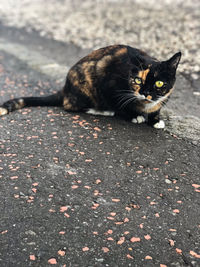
159	84
138	80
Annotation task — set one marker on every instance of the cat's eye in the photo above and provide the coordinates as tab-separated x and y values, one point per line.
137	80
159	84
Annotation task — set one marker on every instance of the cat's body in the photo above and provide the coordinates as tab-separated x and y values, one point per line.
117	80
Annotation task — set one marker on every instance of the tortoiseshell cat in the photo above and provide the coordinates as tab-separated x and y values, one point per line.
115	80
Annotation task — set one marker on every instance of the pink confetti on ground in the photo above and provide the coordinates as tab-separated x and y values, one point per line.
171	242
163	265
110	239
147	237
105	249
85	249
61	252
178	250
34	190
176	211
74	186
153	203
148	257
62	232
35	184
87	187
129	256
141	225
71	172
126	233
97	129
66	215
119	223
88	160
52	261
115	200
109	232
194	254
95	233
98	181
135	239
64	208
32	257
196	185
121	240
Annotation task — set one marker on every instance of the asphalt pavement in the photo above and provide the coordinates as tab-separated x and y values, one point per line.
82	190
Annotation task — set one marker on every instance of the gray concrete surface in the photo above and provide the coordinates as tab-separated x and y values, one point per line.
80	190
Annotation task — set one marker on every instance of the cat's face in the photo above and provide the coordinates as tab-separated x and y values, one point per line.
156	82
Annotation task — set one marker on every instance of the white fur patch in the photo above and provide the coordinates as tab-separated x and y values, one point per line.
139	119
3	111
98	112
159	125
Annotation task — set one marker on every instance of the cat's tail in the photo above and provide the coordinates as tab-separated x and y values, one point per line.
19	103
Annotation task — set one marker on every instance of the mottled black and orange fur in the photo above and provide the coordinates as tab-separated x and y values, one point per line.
104	81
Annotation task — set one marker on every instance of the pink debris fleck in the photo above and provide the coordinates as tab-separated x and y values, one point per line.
129	256
97	129
88	160
115	200
71	172
74	186
148	257
178	250
61	252
64	208
32	257
135	239
105	249
121	240
109	232
147	237
126	233
196	185
52	261
95	233
85	249
62	232
194	254
141	225
98	181
34	190
171	242
176	211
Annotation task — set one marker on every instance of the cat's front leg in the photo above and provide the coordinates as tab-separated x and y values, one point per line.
155	121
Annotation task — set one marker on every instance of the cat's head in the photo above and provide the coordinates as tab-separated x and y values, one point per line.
154	83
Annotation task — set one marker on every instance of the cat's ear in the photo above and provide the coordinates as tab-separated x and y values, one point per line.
174	61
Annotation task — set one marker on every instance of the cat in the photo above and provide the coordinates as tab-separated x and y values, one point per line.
114	80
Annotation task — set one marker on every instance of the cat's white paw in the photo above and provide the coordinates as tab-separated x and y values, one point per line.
3	111
139	119
159	125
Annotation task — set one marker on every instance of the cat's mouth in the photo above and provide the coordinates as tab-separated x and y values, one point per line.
144	99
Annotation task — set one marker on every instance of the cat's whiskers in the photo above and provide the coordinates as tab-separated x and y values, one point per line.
127	101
